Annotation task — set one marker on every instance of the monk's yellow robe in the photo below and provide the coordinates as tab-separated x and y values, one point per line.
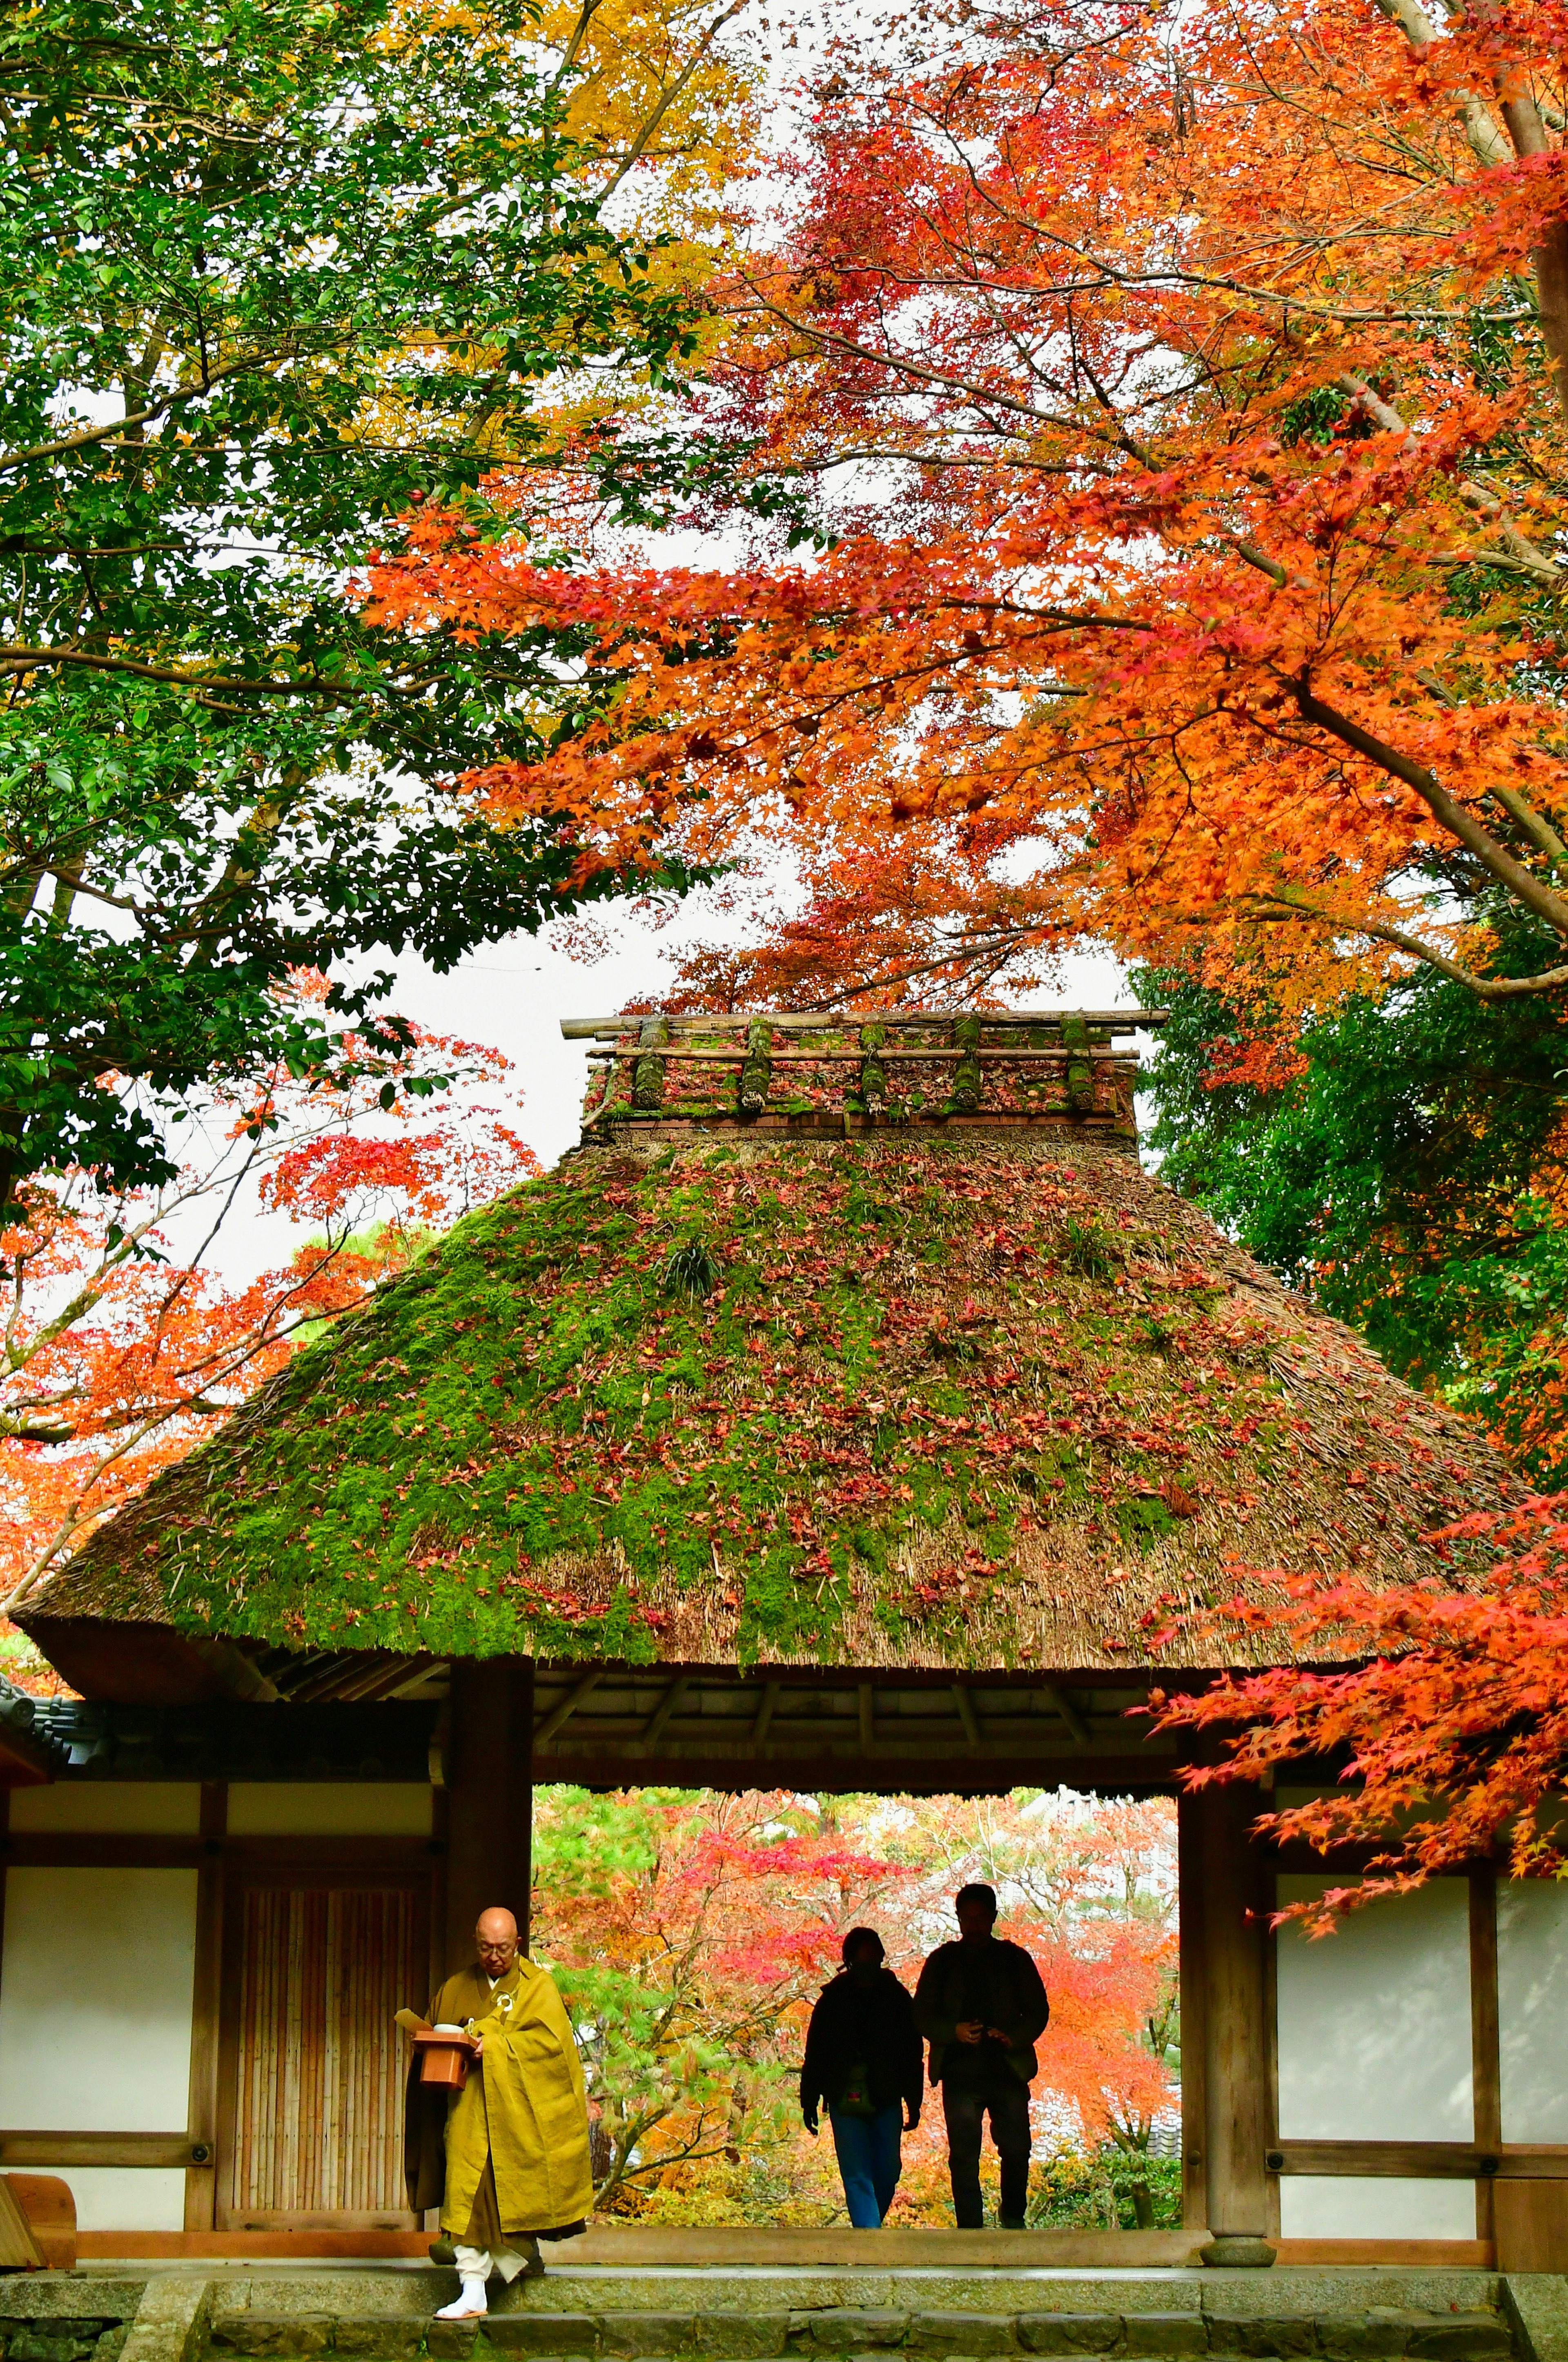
513	2159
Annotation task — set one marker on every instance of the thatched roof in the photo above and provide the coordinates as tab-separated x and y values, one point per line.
972	1395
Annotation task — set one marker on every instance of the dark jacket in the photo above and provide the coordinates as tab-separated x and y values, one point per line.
1015	2001
853	2023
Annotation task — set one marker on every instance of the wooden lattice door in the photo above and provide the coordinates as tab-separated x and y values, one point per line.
312	2066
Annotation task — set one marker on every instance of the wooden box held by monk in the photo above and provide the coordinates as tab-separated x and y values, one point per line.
444	2057
444	2051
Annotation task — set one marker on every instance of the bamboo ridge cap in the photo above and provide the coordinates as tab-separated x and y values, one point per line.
737	1057
922	1070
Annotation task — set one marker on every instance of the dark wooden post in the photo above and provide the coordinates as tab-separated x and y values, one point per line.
202	2105
1192	1971
1485	2045
490	1797
1224	1937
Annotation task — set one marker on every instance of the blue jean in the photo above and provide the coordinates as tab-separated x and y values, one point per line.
871	2158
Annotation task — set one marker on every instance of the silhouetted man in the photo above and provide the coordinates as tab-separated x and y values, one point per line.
981	2006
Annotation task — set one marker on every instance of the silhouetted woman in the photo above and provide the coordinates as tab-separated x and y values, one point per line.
862	2057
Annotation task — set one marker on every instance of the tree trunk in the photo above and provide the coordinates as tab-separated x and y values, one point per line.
1551	260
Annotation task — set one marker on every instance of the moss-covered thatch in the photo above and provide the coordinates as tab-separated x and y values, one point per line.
903	1400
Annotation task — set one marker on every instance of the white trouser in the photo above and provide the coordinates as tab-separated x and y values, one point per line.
478	2263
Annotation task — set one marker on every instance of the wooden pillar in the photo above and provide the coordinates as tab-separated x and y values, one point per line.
1485	2045
202	2107
490	1797
1191	1971
1225	2033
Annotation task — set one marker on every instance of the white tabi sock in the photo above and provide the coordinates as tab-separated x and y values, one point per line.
469	2306
473	2269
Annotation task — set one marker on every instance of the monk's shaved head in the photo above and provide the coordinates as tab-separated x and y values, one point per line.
496	1940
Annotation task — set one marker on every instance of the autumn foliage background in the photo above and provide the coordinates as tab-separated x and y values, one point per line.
691	1932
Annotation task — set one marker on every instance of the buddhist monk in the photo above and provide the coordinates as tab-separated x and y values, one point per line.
509	2165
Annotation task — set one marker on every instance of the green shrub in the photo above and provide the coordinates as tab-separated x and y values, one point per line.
1101	2191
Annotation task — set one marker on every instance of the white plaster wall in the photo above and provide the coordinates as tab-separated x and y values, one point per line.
329	1808
123	2197
1369	2206
1373	2025
1532	2008
95	2002
147	1808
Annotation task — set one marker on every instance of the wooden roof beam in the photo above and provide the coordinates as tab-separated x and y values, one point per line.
1061	1704
387	1679
425	1669
1052	1715
966	1715
653	1730
559	1715
342	1677
798	1741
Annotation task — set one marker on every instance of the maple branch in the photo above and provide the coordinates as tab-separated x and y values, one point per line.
995	948
280	1322
72	1517
1450	814
1522	552
1487	987
91	1294
1539	570
1251	554
1097	273
1487	144
944	381
1539	830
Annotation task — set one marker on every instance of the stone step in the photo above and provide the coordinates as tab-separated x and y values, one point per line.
49	2317
1376	2336
631	2246
1294	2292
52	2339
592	2315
